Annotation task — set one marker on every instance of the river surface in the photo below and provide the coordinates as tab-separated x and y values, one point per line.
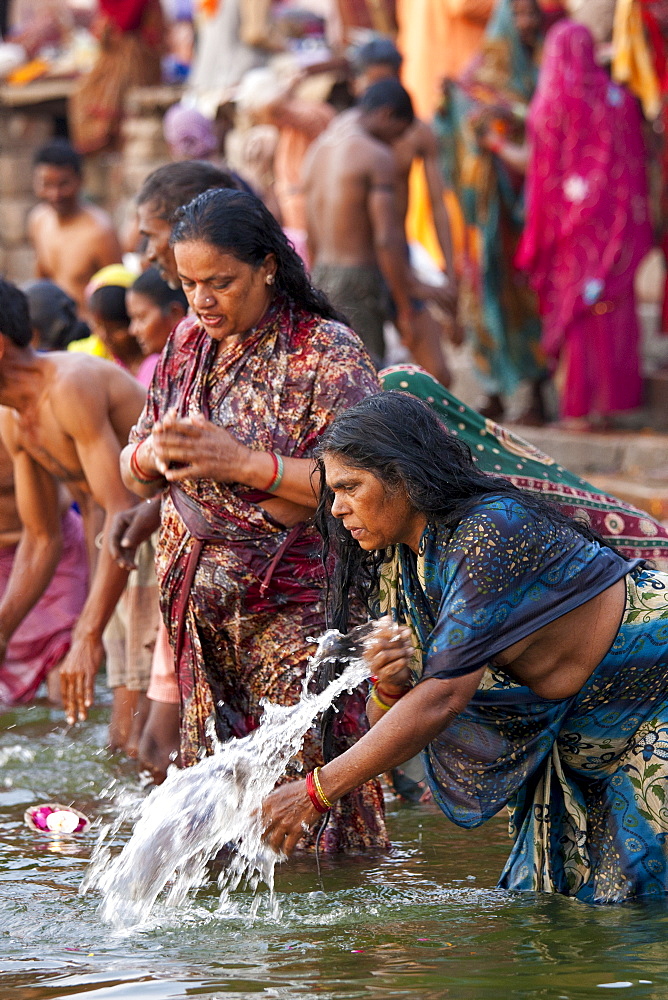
424	921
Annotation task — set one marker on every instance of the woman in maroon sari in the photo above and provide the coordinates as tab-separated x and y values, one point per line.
242	393
587	224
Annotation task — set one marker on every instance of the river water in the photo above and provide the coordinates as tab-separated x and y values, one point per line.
424	922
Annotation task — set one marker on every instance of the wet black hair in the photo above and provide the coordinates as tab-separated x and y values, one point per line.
59	153
175	184
239	224
402	442
388	94
108	302
53	314
14	315
154	287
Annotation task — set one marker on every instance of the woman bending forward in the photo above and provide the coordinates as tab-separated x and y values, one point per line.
530	663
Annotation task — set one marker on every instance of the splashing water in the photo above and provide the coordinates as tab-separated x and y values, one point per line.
215	804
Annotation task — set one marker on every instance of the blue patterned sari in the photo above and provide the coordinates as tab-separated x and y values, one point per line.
584	778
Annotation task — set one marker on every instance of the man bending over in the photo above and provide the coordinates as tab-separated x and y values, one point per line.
65	418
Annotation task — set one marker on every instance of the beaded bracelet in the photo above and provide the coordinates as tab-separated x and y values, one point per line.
312	792
279	469
136	471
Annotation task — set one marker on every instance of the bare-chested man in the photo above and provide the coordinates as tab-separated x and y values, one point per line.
72	240
356	236
66	418
380	59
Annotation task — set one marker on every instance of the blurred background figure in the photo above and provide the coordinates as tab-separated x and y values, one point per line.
293	102
154	308
487	107
64	219
188	133
438	39
131	35
53	316
587	226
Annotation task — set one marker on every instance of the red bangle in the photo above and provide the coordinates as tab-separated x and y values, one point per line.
386	696
136	470
313	795
274	475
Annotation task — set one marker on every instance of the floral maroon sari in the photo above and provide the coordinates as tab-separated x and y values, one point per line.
241	595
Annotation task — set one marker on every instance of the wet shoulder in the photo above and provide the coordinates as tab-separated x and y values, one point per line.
74	375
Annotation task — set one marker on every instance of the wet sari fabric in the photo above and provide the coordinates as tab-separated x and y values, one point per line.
241	595
584	778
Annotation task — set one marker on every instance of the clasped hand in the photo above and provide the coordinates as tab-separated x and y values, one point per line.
388	653
194	448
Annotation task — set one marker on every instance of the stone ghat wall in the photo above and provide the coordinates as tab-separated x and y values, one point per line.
28	119
22	132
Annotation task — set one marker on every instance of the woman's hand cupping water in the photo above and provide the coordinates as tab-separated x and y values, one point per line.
389	651
289	810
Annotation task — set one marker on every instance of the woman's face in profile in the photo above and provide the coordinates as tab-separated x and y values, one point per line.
375	515
228	296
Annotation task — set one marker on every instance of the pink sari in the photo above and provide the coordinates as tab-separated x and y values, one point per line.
587	223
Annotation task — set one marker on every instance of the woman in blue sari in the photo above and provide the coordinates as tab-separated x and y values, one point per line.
527	658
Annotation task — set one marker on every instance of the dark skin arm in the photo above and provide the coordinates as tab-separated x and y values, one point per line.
130	528
388	239
84	414
40	545
394	738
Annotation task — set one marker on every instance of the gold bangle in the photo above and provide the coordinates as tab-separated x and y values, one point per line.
318	788
381	704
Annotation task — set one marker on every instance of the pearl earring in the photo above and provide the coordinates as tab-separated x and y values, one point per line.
269	279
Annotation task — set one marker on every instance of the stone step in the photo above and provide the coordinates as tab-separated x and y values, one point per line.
653	499
635	455
656	393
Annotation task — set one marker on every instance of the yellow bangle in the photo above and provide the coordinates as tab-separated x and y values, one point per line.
318	788
381	704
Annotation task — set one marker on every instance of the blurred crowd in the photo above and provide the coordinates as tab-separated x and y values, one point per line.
483	172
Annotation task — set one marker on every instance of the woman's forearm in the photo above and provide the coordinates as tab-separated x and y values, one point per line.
139	478
400	734
298	477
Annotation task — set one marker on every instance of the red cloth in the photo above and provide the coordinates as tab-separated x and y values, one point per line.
43	637
587	217
126	15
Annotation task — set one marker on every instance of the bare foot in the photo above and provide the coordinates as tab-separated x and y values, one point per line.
159	744
137	723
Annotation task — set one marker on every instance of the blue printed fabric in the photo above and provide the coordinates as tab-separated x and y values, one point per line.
584	778
503	573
